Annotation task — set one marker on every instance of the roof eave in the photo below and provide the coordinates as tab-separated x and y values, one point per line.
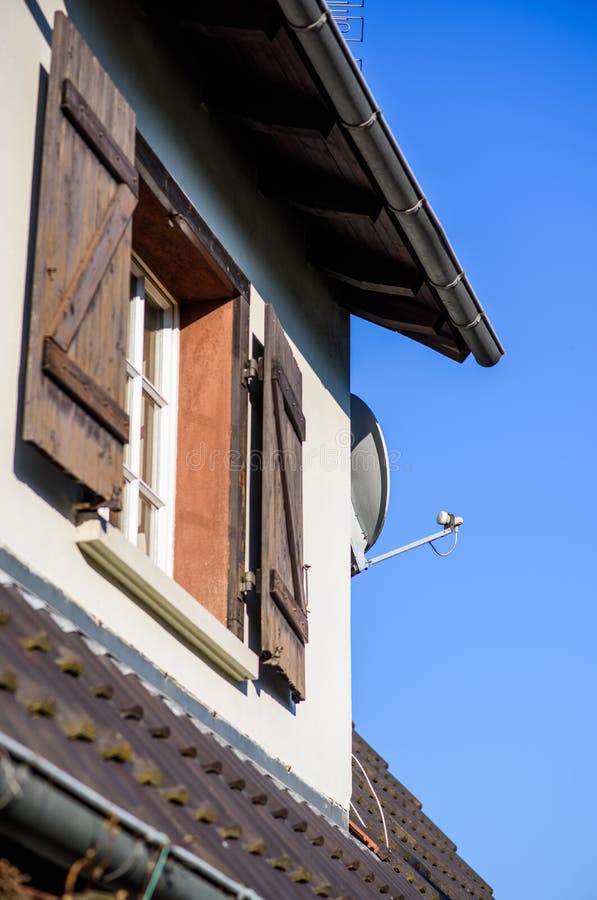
320	39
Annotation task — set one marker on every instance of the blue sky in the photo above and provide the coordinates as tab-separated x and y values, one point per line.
476	676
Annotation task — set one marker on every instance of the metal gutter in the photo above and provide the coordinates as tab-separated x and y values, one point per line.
48	808
358	113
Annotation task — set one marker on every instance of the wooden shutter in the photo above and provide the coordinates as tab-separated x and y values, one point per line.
284	631
76	374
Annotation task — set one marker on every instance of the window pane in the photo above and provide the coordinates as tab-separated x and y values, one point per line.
151	334
149	434
130	353
150	327
129	407
146	526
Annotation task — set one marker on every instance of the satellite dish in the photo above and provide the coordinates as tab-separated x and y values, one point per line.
370	473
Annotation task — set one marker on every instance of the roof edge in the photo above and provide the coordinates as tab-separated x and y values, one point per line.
73	819
326	49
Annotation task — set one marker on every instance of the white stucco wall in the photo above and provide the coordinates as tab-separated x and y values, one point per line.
35	526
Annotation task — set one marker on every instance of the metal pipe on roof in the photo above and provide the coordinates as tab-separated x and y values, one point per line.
357	111
55	811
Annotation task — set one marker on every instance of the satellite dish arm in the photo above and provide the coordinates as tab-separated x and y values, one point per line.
411	546
452	524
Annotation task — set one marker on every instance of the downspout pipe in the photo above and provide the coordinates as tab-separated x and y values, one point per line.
51	811
358	113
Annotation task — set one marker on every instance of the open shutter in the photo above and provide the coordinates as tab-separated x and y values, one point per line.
76	371
284	629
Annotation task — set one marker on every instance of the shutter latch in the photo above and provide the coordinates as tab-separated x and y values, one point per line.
252	372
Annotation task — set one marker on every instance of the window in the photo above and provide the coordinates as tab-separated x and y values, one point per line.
103	399
147	517
106	199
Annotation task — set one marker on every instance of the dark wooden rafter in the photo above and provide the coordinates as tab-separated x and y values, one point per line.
263	111
367	272
405	285
399	311
341	206
418	320
319	196
447	344
441	342
230	20
249	32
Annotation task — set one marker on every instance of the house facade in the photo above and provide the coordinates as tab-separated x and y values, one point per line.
200	197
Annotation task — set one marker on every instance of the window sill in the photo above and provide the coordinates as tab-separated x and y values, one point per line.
113	555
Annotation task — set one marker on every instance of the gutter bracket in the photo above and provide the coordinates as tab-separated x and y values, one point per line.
366	124
412	210
317	25
468	325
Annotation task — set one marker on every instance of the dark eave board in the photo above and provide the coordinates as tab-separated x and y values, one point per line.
247	66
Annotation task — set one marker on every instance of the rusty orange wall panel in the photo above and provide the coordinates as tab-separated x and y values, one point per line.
202	543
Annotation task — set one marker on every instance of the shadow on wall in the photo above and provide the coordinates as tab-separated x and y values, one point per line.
40	20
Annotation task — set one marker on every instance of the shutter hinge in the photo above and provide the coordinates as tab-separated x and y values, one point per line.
252	372
248	582
272	659
89	509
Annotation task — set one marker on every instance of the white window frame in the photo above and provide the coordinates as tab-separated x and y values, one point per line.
164	395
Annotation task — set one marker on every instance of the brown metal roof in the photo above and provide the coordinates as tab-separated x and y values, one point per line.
390	815
70	702
248	68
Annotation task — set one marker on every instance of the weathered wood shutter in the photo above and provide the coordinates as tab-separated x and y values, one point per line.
76	374
284	631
